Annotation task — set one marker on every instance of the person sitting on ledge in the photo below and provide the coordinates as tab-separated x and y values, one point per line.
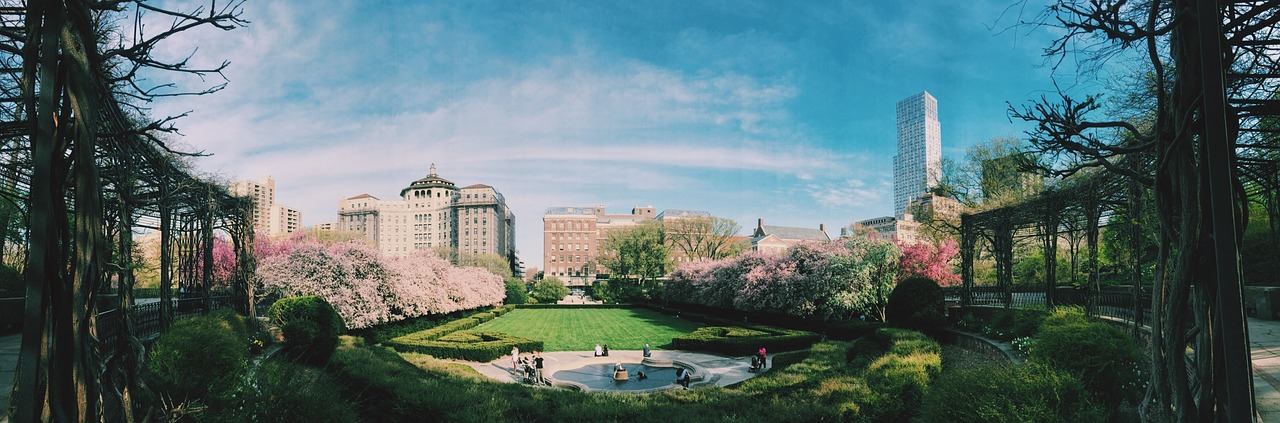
606	350
598	353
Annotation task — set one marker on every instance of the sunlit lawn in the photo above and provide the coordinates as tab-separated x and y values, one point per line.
576	329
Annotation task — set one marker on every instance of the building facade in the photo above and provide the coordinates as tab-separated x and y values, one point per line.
572	236
918	165
268	217
776	239
432	213
283	220
891	228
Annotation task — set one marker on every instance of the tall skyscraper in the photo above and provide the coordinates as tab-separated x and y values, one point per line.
918	165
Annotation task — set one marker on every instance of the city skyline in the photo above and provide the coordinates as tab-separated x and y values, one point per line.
747	110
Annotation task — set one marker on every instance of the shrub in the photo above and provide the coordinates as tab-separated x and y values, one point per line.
743	341
287	392
1104	357
1030	393
310	326
453	340
11	282
899	366
517	291
549	290
197	357
917	303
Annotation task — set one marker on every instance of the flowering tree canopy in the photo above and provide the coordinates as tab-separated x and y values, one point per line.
367	289
930	261
832	280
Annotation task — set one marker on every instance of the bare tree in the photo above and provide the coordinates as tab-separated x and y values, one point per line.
703	237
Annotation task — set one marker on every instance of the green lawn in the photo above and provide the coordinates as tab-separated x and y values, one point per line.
577	329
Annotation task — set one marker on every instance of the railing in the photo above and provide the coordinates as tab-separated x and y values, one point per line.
1115	304
147	320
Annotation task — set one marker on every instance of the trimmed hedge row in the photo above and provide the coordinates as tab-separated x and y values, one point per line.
834	329
563	306
454	340
737	340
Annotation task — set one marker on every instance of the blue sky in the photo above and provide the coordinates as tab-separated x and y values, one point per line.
773	110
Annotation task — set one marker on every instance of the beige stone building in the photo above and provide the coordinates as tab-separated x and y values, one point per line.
268	217
432	213
776	239
890	228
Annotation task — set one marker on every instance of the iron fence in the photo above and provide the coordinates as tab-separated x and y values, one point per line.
1116	304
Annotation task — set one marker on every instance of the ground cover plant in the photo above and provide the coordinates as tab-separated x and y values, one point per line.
826	383
580	329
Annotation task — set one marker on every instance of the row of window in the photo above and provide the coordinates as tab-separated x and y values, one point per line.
569	225
571	235
572	247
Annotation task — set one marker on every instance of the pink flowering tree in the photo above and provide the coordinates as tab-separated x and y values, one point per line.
224	263
346	275
931	261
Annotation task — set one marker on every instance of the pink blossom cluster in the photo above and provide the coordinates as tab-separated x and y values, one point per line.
835	280
367	289
931	261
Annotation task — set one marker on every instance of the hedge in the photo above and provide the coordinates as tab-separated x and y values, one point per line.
468	345
900	365
737	340
834	329
453	340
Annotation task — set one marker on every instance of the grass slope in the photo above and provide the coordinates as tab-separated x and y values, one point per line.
582	329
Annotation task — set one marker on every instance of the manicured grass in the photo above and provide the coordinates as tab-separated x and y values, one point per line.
860	381
581	329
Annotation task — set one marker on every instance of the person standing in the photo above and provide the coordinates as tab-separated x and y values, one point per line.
537	367
515	360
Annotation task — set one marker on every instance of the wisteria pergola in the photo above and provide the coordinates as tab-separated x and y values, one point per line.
88	168
1209	150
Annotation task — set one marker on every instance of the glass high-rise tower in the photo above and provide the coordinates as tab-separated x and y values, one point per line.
918	165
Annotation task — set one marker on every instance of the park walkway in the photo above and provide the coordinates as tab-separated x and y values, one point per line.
1264	342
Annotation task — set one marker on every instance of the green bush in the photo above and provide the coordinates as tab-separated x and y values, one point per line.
899	367
286	392
1030	393
466	345
453	340
738	341
549	290
1104	357
197	357
917	303
310	326
517	291
11	282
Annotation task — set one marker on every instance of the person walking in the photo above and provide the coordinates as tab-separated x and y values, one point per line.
537	367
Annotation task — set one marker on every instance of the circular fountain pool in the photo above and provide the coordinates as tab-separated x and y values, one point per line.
599	377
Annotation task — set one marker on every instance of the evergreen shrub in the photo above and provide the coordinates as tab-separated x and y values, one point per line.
995	393
197	357
738	341
900	365
310	326
917	303
1104	357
